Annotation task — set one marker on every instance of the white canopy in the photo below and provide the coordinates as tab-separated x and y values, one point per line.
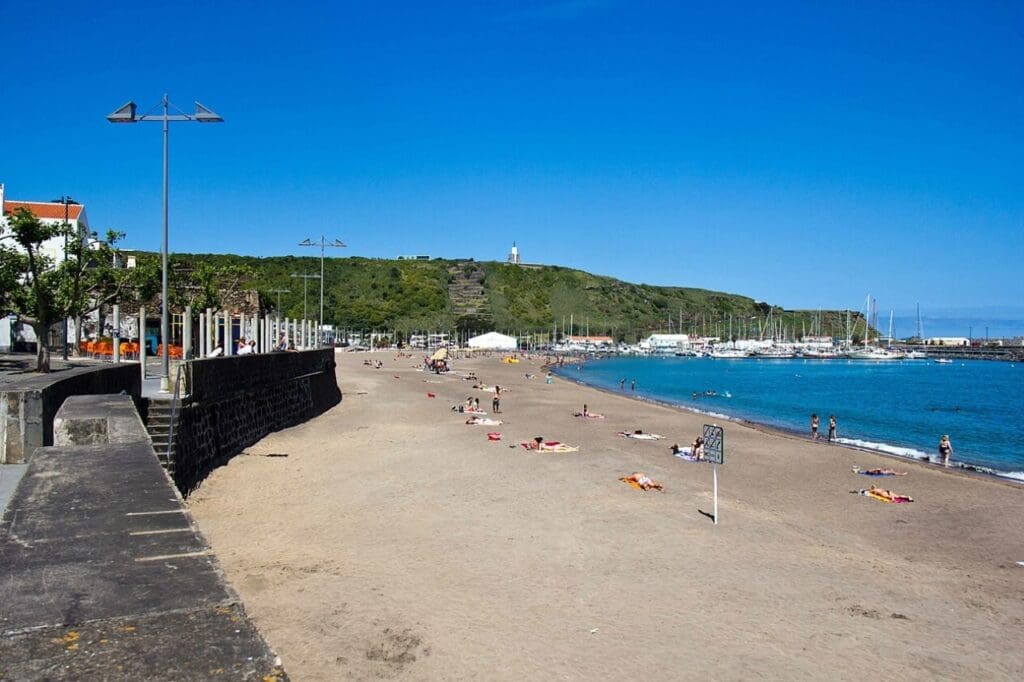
493	341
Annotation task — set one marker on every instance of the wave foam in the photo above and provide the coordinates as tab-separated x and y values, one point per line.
909	453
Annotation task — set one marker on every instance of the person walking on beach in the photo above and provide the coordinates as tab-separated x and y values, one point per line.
945	450
814	427
831	428
496	400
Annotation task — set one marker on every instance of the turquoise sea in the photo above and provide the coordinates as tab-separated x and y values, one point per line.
901	408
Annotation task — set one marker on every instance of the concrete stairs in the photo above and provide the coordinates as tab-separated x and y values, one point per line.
158	424
466	291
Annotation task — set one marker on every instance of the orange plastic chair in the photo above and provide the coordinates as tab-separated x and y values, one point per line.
125	349
90	348
133	350
176	352
104	349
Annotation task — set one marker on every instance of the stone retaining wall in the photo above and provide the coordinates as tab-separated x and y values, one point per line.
236	401
29	402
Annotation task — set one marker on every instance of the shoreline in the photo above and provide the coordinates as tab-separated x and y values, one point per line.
964	468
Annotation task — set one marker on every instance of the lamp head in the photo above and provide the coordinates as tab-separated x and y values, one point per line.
206	115
123	114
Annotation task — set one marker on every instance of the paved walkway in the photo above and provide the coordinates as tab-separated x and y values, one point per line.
106	577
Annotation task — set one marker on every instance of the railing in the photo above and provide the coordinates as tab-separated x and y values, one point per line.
181	372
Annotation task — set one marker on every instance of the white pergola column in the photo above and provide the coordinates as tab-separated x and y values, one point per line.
186	334
117	334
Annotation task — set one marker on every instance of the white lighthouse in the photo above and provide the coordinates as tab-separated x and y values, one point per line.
513	257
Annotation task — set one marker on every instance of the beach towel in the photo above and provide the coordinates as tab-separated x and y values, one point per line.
896	498
485	422
494	436
589	415
640	436
685	455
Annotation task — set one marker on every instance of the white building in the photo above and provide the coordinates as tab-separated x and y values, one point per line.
48	212
514	256
493	341
665	343
947	341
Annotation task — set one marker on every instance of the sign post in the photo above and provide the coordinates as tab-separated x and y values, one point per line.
714	452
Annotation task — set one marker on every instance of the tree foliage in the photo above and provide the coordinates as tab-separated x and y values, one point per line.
42	292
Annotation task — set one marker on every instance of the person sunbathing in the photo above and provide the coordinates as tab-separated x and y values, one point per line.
639	435
483	421
688	453
538	443
878	472
643	481
887	495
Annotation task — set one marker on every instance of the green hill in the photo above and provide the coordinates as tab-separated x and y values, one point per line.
448	295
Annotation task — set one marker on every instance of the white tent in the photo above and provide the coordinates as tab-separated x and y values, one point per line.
493	341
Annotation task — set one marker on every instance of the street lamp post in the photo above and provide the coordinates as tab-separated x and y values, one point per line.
323	243
66	200
279	292
126	114
305	280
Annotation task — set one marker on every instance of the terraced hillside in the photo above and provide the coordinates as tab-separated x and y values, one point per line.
467	296
444	295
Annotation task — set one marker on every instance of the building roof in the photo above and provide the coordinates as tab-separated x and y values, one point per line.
44	209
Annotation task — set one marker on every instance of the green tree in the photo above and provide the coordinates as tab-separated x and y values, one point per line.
46	292
207	285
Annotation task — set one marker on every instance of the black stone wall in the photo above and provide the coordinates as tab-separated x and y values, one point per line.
236	401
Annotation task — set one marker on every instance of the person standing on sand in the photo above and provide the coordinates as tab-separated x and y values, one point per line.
945	450
832	428
496	400
814	427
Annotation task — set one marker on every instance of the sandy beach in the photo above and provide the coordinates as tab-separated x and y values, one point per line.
393	541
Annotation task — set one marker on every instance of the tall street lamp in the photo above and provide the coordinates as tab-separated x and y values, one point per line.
67	201
305	280
323	243
126	114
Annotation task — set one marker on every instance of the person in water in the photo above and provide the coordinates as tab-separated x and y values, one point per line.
814	427
831	428
945	450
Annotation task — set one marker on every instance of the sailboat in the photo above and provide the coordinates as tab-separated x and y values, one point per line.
918	354
873	353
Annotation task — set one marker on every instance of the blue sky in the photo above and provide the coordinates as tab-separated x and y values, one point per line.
806	153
